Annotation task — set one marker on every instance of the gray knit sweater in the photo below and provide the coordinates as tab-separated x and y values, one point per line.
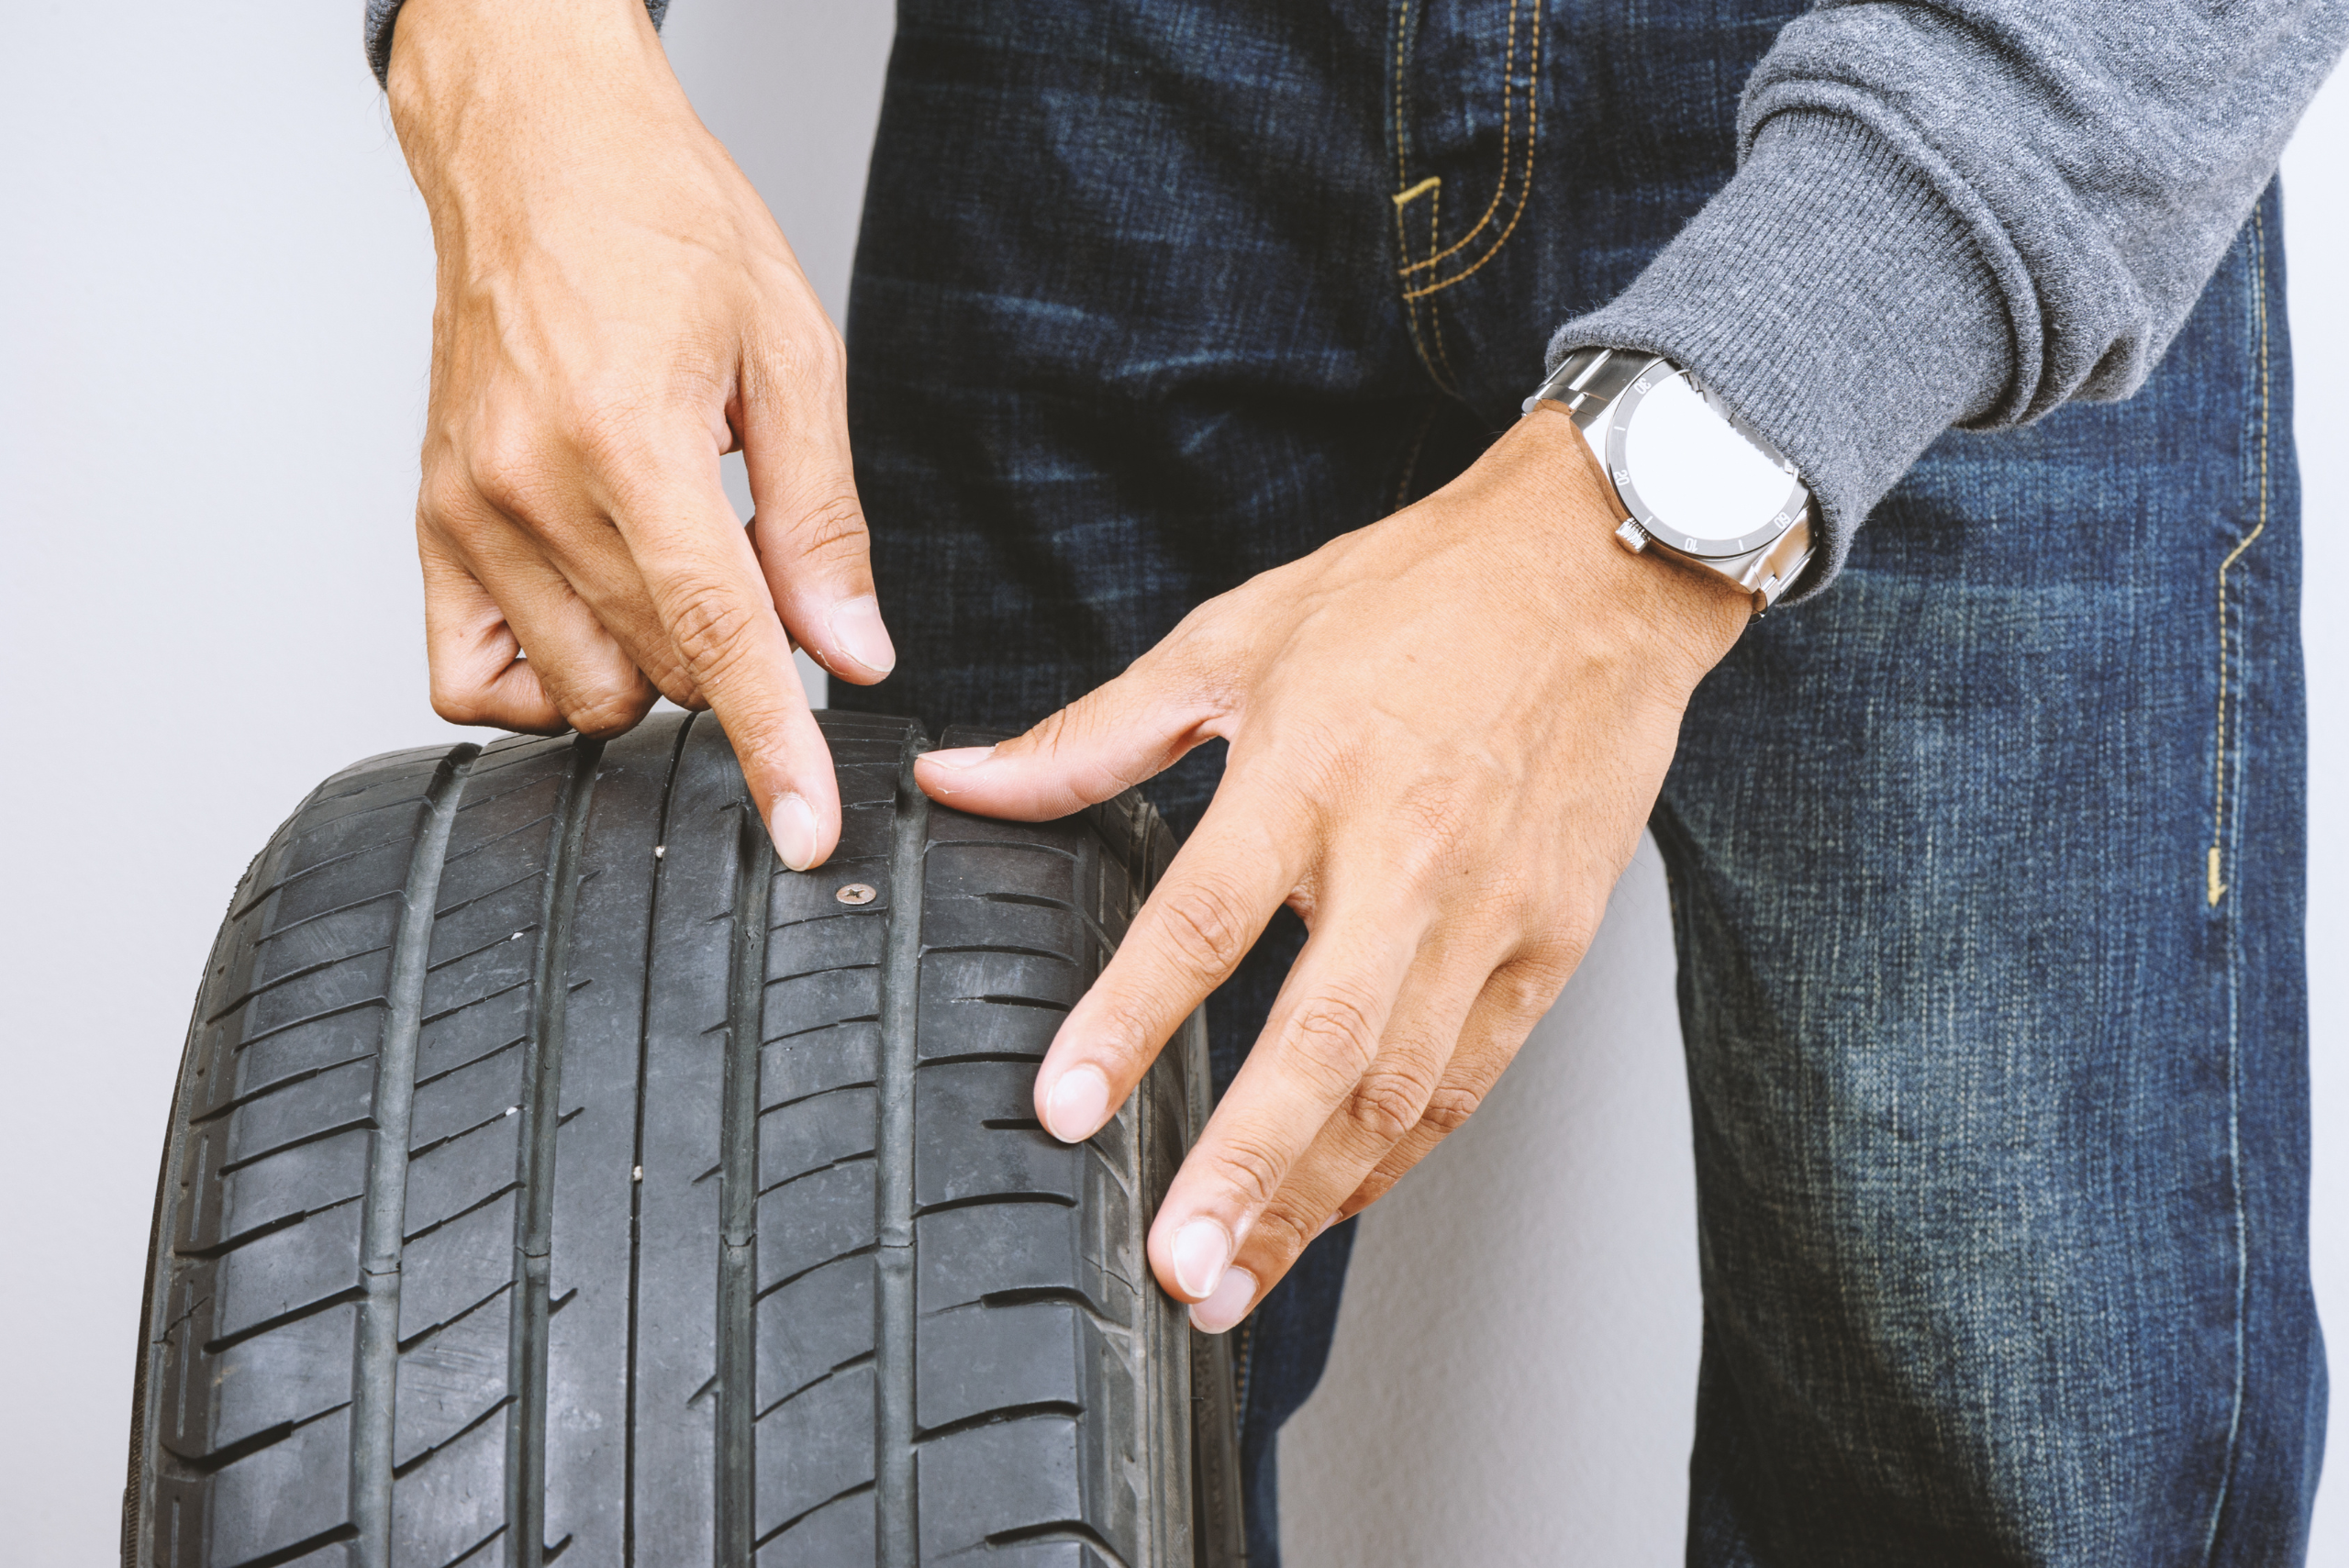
1955	212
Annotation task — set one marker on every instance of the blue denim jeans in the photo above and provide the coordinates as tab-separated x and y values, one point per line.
1986	867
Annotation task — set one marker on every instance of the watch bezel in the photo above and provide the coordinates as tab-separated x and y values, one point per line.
1619	424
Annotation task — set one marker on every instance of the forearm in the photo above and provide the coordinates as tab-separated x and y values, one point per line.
1965	214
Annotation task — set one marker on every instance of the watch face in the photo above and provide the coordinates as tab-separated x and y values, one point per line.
1692	479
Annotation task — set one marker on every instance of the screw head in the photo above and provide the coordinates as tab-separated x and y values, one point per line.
856	892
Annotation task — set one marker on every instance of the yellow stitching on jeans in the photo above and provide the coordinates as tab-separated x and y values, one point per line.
1435	311
1525	197
1403	243
1402	31
1508	102
2216	886
1404	198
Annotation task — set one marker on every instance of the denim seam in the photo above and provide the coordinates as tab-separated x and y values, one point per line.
1508	106
2216	891
2216	886
1411	458
1500	189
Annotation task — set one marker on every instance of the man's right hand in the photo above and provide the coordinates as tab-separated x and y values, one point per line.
618	310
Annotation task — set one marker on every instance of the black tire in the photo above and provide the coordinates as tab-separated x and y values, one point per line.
552	1173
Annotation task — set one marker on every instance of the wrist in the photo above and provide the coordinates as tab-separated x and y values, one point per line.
1693	617
498	83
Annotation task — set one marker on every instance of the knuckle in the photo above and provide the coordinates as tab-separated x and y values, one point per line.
1281	1232
1389	1101
1205	923
1448	1108
711	628
599	716
507	467
1335	1036
1250	1169
832	533
458	707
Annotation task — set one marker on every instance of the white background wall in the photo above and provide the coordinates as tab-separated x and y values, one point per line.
215	281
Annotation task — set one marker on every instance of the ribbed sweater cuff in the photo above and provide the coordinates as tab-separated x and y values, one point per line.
1831	295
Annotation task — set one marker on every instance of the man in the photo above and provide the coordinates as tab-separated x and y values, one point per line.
1189	346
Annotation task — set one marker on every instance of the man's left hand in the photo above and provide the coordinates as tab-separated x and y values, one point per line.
1446	733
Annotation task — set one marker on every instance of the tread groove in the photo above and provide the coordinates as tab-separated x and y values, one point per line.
998	1417
636	1189
897	1536
737	1193
378	1292
860	1488
526	1377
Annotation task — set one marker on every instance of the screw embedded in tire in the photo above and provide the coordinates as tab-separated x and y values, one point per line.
855	892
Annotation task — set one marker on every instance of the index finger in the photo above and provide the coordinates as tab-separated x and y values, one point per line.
1319	1041
712	598
1215	899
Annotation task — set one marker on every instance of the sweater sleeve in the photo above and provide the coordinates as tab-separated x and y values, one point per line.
383	14
1964	213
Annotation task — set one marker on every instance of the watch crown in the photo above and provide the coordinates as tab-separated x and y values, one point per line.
1631	537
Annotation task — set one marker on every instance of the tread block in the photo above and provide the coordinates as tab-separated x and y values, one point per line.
964	1254
266	1501
955	924
836	1057
465	1096
464	1028
954	866
471	973
363	922
1009	978
448	1270
818	1001
817	1323
286	1270
311	1046
452	1502
334	1097
957	1021
835	941
957	1157
449	1381
973	1359
307	1179
495	917
444	1182
295	1372
801	1137
793	900
820	1215
1018	1475
842	1531
345	875
345	984
814	1446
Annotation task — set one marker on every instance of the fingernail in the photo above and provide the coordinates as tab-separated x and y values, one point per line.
856	627
1333	1219
1202	1249
792	827
1078	1104
959	756
1227	1303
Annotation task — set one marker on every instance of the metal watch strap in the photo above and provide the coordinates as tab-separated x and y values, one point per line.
1586	385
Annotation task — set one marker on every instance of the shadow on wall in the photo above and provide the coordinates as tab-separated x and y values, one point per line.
1516	1361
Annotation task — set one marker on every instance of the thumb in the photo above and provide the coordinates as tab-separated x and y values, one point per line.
1104	743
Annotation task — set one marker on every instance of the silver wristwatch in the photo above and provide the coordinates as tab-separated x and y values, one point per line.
1689	477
